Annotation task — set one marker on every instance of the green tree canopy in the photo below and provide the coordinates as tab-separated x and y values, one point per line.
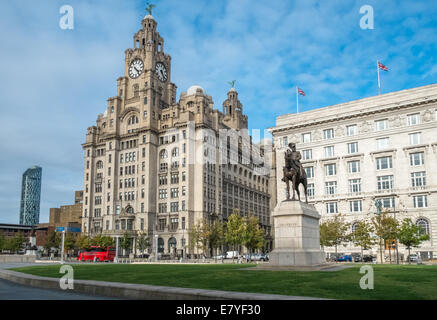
411	235
334	232
253	234
362	235
234	230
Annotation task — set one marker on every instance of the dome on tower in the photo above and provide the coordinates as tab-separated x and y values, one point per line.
195	89
149	17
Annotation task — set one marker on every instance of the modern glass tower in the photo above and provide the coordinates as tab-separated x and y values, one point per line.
30	196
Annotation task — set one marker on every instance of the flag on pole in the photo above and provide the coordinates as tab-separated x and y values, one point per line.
382	67
300	91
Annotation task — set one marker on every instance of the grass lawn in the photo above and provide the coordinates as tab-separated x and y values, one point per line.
390	282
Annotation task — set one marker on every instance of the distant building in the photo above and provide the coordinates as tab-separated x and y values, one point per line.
30	196
68	216
39	232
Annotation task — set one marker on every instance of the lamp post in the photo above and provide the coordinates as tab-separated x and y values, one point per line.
63	243
156	248
116	249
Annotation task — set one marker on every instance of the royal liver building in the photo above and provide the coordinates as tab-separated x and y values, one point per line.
159	166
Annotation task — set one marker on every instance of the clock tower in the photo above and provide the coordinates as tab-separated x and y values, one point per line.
146	85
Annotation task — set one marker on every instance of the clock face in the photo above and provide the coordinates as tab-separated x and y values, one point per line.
161	72
136	68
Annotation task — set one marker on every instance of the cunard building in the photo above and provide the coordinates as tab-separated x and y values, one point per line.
159	166
356	153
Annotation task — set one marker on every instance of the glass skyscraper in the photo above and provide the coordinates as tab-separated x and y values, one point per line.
30	196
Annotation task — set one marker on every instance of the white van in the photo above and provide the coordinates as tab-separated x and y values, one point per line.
231	255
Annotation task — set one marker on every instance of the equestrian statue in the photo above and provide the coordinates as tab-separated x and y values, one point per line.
294	172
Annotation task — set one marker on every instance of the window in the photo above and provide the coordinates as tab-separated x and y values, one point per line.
175	152
328	134
351	130
355	206
331	207
423	224
417	159
420	201
183	223
161	224
413	119
381	125
163	154
285	141
307	154
414	138
418	179
354	185
385	182
331	187
388	203
329	151
183	205
310	172
330	169
162	193
174	207
310	190
382	143
174	192
352	147
306	137
174	178
162	208
354	166
384	163
174	223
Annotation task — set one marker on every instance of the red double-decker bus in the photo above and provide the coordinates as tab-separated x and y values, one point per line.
97	254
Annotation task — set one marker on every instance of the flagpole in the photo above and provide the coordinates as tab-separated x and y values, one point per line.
379	81
297	100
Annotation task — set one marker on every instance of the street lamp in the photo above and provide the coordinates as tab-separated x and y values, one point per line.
156	248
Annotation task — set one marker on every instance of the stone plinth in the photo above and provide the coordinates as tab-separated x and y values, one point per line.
297	237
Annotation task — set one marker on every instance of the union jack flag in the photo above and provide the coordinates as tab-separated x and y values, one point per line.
382	67
300	91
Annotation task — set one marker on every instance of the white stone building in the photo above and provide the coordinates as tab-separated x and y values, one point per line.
382	147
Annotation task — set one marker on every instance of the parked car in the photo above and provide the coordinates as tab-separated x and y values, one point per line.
345	258
357	258
257	257
368	258
97	254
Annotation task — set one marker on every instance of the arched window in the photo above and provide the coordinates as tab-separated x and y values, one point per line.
163	154
172	244
99	164
130	210
423	224
160	245
354	226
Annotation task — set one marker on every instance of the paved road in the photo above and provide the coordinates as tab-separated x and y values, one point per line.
13	291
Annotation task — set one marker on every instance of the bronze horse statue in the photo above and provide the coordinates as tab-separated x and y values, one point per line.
294	172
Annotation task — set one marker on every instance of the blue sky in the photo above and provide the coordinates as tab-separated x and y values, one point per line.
55	82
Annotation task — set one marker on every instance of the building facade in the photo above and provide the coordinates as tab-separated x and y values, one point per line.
30	196
68	216
383	147
159	166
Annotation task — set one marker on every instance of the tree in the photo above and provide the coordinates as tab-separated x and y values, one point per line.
362	235
2	241
253	235
69	242
143	242
215	235
334	232
83	242
193	236
234	230
411	235
125	241
386	228
53	241
102	241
